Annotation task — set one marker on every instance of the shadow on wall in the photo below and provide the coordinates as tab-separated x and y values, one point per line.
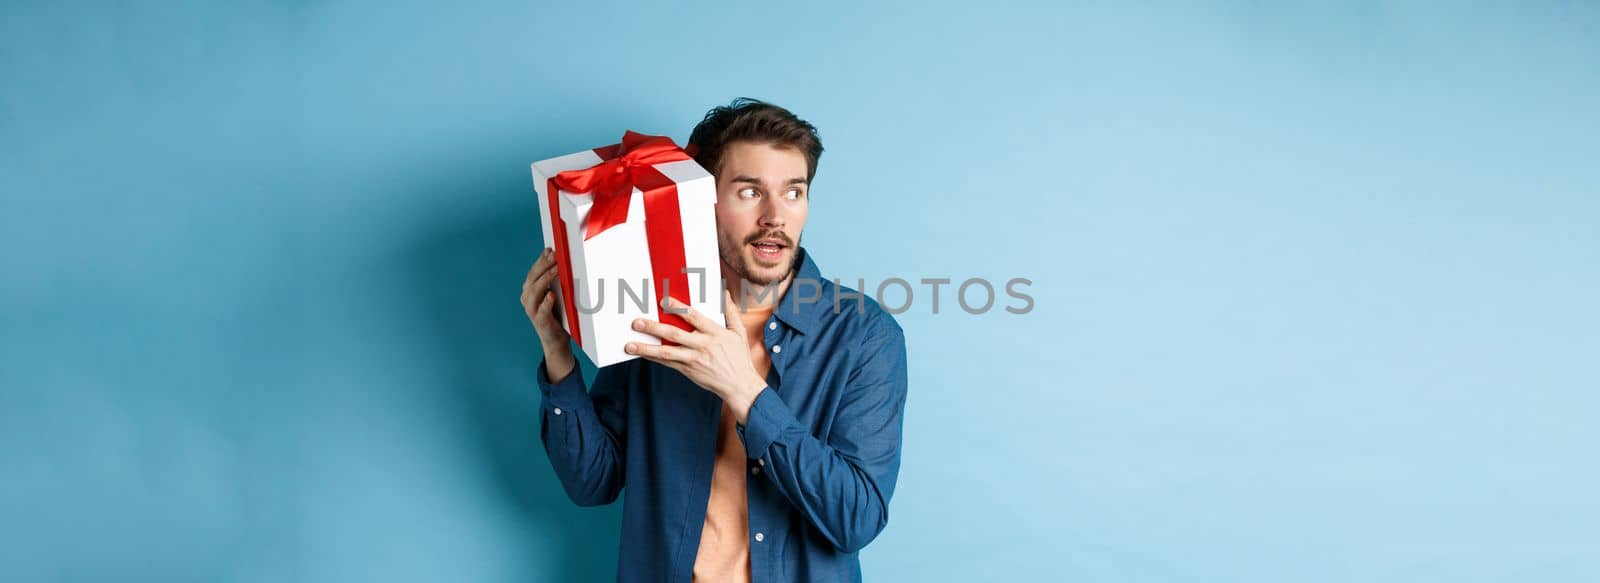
467	274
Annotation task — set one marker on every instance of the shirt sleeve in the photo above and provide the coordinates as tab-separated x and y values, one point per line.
584	431
841	485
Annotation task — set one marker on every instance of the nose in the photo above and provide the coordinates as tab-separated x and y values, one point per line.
772	214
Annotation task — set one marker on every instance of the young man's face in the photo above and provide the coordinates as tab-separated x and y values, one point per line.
761	207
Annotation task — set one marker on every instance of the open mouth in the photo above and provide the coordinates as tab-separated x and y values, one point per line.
768	250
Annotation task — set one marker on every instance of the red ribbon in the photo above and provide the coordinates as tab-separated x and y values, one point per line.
626	166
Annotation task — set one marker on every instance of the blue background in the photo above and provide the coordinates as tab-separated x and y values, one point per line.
1315	286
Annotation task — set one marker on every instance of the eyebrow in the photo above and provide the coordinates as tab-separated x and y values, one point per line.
753	180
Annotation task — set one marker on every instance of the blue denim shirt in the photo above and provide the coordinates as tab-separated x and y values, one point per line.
823	442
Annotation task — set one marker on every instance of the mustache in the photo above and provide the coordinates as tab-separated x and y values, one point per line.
779	236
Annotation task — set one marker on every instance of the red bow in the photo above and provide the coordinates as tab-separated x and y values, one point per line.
613	181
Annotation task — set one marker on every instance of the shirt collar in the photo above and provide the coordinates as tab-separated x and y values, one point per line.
801	304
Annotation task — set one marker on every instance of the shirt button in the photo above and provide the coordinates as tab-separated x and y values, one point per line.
558	410
755	471
760	537
761	462
776	349
772	325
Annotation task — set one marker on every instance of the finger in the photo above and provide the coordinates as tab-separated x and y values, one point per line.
541	305
552	306
544	280
693	316
538	268
661	353
530	297
531	303
669	332
555	301
545	264
550	315
548	306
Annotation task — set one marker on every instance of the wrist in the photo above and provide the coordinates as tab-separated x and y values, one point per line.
558	364
743	397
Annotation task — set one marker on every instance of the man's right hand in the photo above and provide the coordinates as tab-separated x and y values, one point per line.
540	302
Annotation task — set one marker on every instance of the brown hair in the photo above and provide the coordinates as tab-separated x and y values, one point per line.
751	120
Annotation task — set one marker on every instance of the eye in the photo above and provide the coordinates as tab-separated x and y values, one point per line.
747	192
793	194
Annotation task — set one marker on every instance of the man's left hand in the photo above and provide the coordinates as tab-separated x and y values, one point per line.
714	356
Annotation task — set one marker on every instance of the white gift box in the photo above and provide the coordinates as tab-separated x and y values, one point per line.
610	274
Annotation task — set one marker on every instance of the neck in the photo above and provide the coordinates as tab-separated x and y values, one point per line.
754	296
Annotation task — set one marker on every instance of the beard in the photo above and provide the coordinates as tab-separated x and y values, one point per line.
743	264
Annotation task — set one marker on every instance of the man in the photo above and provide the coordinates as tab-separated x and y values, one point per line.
765	445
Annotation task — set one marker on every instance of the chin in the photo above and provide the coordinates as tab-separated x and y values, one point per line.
764	273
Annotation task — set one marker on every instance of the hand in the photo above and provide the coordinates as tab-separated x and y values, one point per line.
540	302
714	356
